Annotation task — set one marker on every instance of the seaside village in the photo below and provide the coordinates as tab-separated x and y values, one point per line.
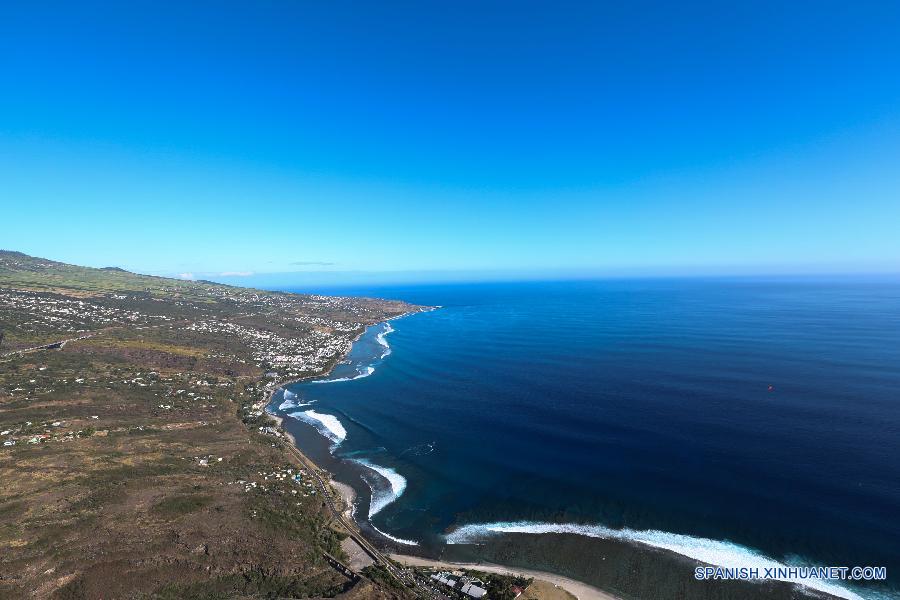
286	335
288	354
211	356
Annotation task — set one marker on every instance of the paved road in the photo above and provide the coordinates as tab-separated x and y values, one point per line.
401	575
51	345
62	343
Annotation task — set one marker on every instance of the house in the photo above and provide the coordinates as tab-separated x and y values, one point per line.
463	584
444	579
473	591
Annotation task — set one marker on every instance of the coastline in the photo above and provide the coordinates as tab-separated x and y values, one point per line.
541	570
348	495
275	386
346	492
580	590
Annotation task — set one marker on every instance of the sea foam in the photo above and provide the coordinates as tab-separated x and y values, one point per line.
362	372
328	425
382	497
712	552
381	339
289	404
289	398
394	538
365	370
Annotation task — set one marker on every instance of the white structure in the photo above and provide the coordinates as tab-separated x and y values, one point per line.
470	589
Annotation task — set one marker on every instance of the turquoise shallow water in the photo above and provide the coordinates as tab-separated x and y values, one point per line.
761	413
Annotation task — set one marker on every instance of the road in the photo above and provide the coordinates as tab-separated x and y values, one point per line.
406	577
61	343
50	346
402	575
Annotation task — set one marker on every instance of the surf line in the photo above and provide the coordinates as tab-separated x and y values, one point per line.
329	426
712	552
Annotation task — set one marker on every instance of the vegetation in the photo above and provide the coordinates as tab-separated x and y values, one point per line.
380	575
180	505
133	462
500	587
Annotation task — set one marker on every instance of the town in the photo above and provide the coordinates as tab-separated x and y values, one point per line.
135	441
136	457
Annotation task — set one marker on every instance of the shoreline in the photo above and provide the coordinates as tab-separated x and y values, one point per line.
276	386
345	491
348	495
580	590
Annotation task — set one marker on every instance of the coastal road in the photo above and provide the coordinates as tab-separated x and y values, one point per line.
401	575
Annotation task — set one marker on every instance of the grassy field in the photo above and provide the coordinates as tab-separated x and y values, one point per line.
133	465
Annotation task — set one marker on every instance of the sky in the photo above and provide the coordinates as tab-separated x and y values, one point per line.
339	140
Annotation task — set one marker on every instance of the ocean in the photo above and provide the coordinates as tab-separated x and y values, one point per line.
733	421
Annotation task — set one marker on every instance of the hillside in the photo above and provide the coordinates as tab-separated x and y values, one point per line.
39	274
133	460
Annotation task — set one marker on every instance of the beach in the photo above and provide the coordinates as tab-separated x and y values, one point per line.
348	495
547	582
580	590
493	377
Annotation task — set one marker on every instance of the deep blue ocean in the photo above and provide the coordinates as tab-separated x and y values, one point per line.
736	417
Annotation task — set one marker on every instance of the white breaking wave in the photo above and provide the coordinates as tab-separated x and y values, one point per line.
289	404
289	397
380	338
396	539
712	552
380	497
369	369
364	373
328	425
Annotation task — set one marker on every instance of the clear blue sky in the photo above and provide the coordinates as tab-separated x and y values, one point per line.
513	137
